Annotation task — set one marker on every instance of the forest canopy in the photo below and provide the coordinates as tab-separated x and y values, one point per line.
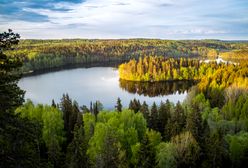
208	129
41	55
154	68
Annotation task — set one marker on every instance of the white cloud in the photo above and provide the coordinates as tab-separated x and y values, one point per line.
124	19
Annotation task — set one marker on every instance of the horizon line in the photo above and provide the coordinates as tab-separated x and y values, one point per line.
140	38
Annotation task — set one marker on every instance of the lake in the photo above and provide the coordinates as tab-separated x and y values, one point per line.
98	83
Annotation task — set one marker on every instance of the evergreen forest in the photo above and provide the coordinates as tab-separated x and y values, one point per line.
208	129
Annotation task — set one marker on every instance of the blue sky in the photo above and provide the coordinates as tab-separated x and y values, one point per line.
165	19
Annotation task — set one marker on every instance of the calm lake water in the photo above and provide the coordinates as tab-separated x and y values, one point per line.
98	83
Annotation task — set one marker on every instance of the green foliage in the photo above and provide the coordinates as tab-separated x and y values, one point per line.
19	142
193	132
145	111
134	105
52	127
147	150
118	105
47	54
153	122
164	116
11	96
238	149
187	149
213	77
208	130
194	123
76	151
97	107
114	137
89	125
69	116
19	138
176	120
166	155
216	153
160	69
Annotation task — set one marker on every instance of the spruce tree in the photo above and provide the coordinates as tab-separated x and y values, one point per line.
54	104
76	156
118	105
145	111
11	96
154	117
70	112
176	122
146	156
18	143
194	123
163	113
97	107
134	105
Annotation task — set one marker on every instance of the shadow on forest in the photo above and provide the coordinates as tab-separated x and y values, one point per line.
153	89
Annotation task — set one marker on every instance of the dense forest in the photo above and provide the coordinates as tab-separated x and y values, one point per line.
169	69
212	78
51	54
208	129
235	54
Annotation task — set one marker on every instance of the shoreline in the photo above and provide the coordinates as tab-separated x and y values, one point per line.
72	66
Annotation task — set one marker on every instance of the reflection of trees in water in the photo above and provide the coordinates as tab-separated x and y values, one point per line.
153	89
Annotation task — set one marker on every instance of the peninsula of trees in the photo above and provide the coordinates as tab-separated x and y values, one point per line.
152	69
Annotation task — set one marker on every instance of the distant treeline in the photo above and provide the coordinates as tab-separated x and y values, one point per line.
49	54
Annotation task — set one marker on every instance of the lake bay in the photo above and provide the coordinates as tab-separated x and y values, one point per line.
91	84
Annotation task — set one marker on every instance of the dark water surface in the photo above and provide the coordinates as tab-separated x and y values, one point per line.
98	83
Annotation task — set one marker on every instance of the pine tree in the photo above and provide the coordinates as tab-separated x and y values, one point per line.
76	156
154	117
146	156
176	122
119	105
75	116
194	123
163	112
70	112
85	109
167	131
145	111
187	149
91	107
134	105
18	137
11	96
216	154
97	107
54	104
131	105
180	116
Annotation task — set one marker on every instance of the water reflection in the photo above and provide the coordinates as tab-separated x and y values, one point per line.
97	84
153	89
